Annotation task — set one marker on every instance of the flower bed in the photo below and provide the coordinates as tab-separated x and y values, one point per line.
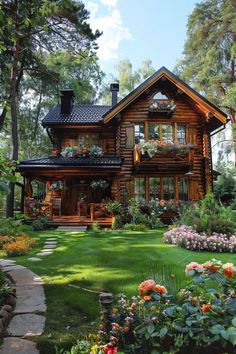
82	151
155	147
16	246
184	236
197	319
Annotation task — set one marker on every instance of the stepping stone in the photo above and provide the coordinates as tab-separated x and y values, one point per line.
7	262
51	243
49	246
30	299
34	259
51	239
23	277
26	325
13	267
41	254
19	346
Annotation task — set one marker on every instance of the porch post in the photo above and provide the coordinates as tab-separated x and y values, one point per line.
92	212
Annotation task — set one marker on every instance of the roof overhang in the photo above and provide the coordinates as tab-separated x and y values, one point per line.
207	108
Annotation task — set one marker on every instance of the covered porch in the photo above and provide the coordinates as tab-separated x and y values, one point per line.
71	195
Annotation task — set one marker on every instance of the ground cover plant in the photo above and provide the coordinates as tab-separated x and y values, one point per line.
115	261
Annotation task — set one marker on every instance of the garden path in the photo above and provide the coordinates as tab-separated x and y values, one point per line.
29	314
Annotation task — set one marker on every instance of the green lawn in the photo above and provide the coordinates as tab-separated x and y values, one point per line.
111	261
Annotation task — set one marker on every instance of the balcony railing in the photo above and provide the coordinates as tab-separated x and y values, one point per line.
157	152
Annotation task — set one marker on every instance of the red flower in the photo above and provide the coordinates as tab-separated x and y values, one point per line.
110	350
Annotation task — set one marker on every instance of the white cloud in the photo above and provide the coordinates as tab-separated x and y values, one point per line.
112	27
111	3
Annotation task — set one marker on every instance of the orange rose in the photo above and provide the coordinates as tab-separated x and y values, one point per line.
147	298
160	289
192	265
228	270
126	329
213	268
206	307
146	286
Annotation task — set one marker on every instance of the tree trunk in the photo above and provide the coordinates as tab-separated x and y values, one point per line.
14	125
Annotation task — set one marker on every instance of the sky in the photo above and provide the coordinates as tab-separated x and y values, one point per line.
139	30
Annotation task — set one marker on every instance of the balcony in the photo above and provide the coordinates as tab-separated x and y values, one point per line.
164	106
166	154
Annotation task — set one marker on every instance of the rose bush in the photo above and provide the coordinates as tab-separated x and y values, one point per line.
200	318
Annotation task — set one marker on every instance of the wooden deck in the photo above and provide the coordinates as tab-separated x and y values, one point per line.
75	220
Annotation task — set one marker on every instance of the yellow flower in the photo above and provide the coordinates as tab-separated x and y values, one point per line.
94	349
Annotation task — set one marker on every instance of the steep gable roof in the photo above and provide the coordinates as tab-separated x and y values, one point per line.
203	104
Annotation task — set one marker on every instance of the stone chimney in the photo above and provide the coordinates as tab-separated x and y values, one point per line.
114	88
67	100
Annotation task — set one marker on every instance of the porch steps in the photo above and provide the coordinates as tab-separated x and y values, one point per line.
71	228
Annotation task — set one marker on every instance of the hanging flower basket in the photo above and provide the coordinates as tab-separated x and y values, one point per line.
82	151
99	184
56	186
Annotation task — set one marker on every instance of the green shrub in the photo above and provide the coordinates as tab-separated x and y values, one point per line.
208	216
117	223
12	227
136	227
115	208
95	227
40	223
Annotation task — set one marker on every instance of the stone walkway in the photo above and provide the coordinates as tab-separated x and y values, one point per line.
29	315
49	245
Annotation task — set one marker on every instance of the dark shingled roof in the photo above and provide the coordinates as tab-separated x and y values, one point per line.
61	161
81	114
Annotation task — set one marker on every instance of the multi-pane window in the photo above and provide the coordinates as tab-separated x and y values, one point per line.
183	188
139	189
139	133
168	188
181	134
167	132
88	139
154	188
153	131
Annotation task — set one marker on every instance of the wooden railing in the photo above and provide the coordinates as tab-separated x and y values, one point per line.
163	156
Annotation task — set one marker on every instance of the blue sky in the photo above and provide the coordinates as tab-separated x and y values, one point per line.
139	30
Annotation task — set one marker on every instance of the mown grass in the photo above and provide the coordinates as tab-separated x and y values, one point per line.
115	261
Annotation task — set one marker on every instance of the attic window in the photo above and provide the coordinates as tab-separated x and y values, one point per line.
161	103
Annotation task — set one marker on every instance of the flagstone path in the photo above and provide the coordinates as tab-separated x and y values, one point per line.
29	314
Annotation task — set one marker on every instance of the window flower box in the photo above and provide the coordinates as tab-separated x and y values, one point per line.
165	148
81	151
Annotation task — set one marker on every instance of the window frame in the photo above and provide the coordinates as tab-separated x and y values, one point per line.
176	179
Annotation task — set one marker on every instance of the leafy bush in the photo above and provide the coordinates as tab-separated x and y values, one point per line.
225	186
40	223
208	217
12	227
20	247
198	319
5	289
95	227
136	227
185	237
117	223
115	208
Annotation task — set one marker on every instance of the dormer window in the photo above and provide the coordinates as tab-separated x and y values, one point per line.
162	103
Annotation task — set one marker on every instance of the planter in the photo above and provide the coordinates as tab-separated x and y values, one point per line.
168	217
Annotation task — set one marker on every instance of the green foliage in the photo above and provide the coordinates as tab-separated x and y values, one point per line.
128	78
208	217
115	208
40	223
136	227
95	227
6	174
12	227
197	318
210	52
5	289
225	186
